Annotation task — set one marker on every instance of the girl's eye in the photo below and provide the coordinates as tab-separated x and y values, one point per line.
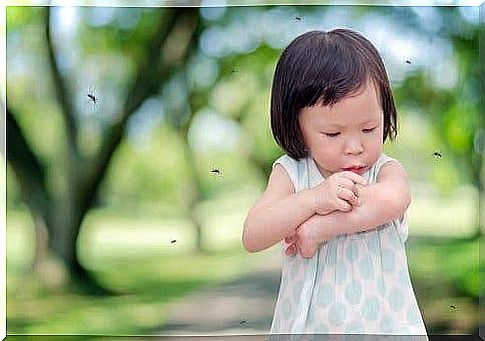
369	130
331	134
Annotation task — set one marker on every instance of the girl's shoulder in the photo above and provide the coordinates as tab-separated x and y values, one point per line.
294	167
287	160
383	159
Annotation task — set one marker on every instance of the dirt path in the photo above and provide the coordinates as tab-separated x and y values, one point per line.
241	306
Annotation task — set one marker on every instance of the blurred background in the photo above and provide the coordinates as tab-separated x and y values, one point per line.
138	139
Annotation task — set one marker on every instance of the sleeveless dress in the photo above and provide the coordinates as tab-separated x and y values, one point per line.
354	284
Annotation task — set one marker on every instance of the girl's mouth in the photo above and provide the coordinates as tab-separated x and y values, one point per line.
357	170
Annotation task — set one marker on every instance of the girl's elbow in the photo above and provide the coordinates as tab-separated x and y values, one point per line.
253	239
248	247
401	206
245	243
246	239
409	200
405	203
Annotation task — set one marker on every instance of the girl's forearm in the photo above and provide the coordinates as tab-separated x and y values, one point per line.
270	223
378	206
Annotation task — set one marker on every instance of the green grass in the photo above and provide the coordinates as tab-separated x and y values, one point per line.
150	284
456	261
444	273
133	255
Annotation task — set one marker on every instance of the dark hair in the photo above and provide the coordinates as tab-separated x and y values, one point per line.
321	67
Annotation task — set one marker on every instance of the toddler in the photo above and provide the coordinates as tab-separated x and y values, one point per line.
335	202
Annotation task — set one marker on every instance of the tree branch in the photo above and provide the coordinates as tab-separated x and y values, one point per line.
28	169
62	93
151	75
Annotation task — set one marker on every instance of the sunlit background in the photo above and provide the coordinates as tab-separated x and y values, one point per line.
138	138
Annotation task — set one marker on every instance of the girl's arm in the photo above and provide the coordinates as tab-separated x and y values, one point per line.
277	213
381	202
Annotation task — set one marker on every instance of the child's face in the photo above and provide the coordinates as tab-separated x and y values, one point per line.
348	134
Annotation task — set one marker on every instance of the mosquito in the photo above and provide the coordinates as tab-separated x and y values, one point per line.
243	321
408	62
173	241
437	155
453	307
93	98
215	171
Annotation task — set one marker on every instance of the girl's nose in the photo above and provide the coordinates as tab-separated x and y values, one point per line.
353	146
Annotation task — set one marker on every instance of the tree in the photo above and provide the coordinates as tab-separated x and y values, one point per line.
455	112
62	215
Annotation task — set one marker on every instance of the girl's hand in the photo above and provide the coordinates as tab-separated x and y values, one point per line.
291	241
339	192
306	238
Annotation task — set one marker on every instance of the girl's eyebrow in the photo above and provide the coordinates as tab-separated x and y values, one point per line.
343	125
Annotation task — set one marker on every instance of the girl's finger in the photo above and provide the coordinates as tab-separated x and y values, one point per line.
290	250
344	206
344	182
357	189
290	239
356	178
348	196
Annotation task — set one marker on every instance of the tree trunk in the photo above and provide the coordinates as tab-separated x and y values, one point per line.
41	243
58	220
195	195
199	235
479	233
63	242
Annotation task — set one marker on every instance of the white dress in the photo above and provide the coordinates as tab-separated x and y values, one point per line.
354	284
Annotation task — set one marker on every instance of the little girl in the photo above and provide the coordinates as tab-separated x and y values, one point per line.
335	198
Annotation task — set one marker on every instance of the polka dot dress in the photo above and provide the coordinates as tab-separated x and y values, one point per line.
355	284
